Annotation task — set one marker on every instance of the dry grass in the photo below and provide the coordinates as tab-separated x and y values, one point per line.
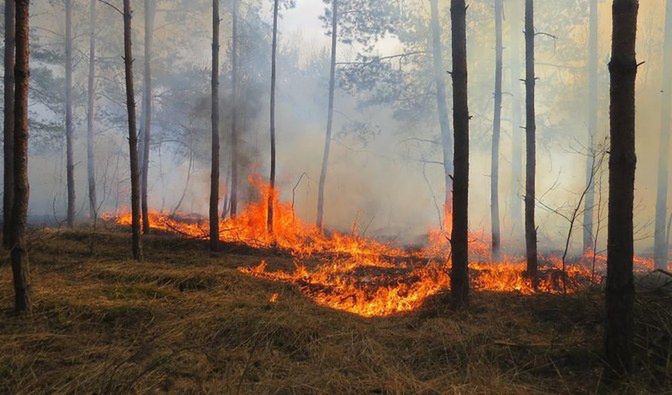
187	321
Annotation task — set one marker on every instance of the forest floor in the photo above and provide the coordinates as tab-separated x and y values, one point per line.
185	320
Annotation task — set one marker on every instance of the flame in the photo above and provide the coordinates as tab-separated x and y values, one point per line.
289	232
369	278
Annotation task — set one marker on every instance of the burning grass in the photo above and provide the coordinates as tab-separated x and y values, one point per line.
367	277
189	321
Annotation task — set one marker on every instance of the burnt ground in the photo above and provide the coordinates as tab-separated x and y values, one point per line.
187	321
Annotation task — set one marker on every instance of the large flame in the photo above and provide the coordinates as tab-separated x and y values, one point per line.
366	277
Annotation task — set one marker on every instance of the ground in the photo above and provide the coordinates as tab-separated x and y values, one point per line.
185	320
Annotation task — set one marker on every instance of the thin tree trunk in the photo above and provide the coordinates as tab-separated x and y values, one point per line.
70	170
442	110
19	252
132	133
593	49
90	114
460	240
330	115
496	131
273	84
233	191
620	290
661	246
186	182
214	172
515	201
10	53
531	148
150	11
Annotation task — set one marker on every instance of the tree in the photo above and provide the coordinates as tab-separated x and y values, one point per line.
8	133
442	106
132	133
214	172
146	131
460	238
661	246
233	194
273	85
516	116
496	132
70	164
330	114
90	114
531	149
593	48
19	216
620	290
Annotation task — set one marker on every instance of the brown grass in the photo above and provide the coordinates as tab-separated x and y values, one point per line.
187	321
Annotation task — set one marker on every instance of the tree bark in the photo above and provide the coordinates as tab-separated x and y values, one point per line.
233	192
150	12
132	133
70	164
273	85
214	171
460	240
620	289
531	148
661	244
330	115
515	201
10	54
496	132
19	251
90	114
442	110
589	203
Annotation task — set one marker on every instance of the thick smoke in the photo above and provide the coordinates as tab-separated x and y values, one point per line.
384	178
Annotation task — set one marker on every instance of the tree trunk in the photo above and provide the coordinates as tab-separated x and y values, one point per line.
90	114
442	110
233	192
19	252
589	203
330	115
214	172
132	133
10	53
661	247
496	131
273	84
515	202
460	240
531	148
70	169
622	162
150	11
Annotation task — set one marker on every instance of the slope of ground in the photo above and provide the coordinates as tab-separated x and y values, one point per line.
188	321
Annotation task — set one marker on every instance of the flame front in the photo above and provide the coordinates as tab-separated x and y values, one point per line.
369	278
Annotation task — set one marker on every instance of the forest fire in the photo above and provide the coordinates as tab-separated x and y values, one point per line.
465	186
370	278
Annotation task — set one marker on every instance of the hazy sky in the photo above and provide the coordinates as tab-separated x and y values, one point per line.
305	18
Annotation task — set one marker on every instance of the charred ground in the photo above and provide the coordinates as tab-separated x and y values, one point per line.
188	320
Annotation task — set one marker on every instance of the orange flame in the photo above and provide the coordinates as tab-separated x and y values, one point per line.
367	277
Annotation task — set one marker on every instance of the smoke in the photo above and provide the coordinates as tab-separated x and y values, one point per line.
382	178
